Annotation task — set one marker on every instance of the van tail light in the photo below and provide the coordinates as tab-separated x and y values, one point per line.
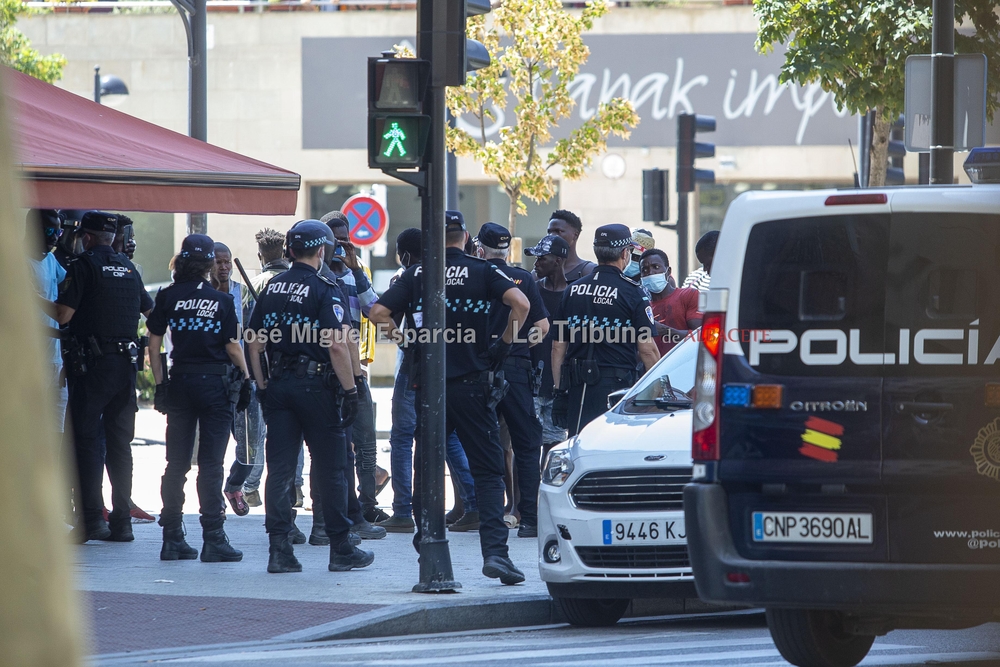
707	387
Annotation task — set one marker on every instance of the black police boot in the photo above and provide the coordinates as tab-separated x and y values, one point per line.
282	559
348	557
121	531
175	547
317	536
296	536
216	548
93	530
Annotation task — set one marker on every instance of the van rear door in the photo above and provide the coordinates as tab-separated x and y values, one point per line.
811	321
941	404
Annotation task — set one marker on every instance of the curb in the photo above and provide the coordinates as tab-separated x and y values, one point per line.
433	618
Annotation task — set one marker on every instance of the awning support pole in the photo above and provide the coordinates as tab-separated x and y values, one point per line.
193	14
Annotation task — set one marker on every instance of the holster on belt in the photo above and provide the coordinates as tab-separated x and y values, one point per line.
498	389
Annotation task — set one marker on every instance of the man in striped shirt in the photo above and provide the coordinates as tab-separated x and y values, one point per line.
705	250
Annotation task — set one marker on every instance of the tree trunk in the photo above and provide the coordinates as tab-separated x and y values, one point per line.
880	148
512	214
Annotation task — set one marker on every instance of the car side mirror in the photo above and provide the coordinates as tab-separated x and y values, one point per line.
615	397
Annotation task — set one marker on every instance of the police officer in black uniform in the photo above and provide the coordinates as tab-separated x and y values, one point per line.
518	406
101	299
609	323
473	289
302	321
199	394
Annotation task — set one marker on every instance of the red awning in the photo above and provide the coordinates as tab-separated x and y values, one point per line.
77	154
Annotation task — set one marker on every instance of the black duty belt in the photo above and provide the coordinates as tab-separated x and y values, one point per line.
520	363
201	369
118	347
485	377
305	367
617	372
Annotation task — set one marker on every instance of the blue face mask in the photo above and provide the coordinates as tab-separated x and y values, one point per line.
655	283
632	270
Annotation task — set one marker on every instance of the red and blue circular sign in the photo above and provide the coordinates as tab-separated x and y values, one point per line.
368	219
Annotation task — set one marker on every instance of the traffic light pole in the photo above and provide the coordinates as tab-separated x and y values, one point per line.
682	237
436	574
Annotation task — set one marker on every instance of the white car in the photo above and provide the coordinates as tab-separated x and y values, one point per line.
610	506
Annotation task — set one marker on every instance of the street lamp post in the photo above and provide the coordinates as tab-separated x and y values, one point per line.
109	84
193	14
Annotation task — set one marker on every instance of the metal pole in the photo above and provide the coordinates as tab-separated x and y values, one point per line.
943	92
452	170
682	237
97	83
198	94
435	559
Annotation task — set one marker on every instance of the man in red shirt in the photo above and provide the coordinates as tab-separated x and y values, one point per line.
675	309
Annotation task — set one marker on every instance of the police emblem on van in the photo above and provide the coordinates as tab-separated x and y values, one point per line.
985	450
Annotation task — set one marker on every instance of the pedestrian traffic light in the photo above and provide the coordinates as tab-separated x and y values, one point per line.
688	150
398	124
452	54
655	195
894	174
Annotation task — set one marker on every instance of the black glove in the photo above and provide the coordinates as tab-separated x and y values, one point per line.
349	407
243	402
498	354
160	398
560	408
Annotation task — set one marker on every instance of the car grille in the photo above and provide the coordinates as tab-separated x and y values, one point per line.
666	555
641	489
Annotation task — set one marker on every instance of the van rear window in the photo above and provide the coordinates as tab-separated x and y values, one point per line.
818	279
910	293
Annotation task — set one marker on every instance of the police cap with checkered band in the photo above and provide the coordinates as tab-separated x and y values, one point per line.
613	236
307	234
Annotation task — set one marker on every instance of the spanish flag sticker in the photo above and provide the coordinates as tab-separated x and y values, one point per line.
821	439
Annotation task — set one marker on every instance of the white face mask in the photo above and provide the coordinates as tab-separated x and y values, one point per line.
655	283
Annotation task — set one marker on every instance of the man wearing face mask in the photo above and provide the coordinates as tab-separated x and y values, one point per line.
44	227
675	309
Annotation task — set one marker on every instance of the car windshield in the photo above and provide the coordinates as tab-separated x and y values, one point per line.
668	384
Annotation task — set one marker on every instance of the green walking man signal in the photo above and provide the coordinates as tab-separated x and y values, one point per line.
398	137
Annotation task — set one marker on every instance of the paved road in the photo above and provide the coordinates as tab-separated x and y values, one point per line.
735	640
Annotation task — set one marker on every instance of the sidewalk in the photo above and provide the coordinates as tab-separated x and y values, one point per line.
133	601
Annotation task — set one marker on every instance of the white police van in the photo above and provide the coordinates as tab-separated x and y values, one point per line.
610	506
846	438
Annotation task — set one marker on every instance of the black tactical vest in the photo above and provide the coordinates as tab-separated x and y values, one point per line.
110	305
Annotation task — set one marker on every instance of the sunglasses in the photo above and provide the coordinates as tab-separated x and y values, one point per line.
53	232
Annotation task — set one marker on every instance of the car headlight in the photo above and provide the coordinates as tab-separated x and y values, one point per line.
558	467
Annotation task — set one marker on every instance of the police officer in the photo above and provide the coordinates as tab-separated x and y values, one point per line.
609	322
301	320
473	289
101	299
517	407
205	336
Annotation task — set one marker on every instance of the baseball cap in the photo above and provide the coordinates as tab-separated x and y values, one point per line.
493	236
308	234
612	236
549	245
198	246
642	240
453	221
99	221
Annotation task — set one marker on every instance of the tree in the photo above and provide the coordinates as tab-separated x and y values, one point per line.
857	51
15	48
536	49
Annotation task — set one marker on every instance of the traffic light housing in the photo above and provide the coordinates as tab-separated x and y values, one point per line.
894	174
452	54
398	124
688	150
655	195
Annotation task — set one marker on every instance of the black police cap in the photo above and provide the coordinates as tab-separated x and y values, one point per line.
454	221
613	236
198	246
549	245
99	221
494	236
308	234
